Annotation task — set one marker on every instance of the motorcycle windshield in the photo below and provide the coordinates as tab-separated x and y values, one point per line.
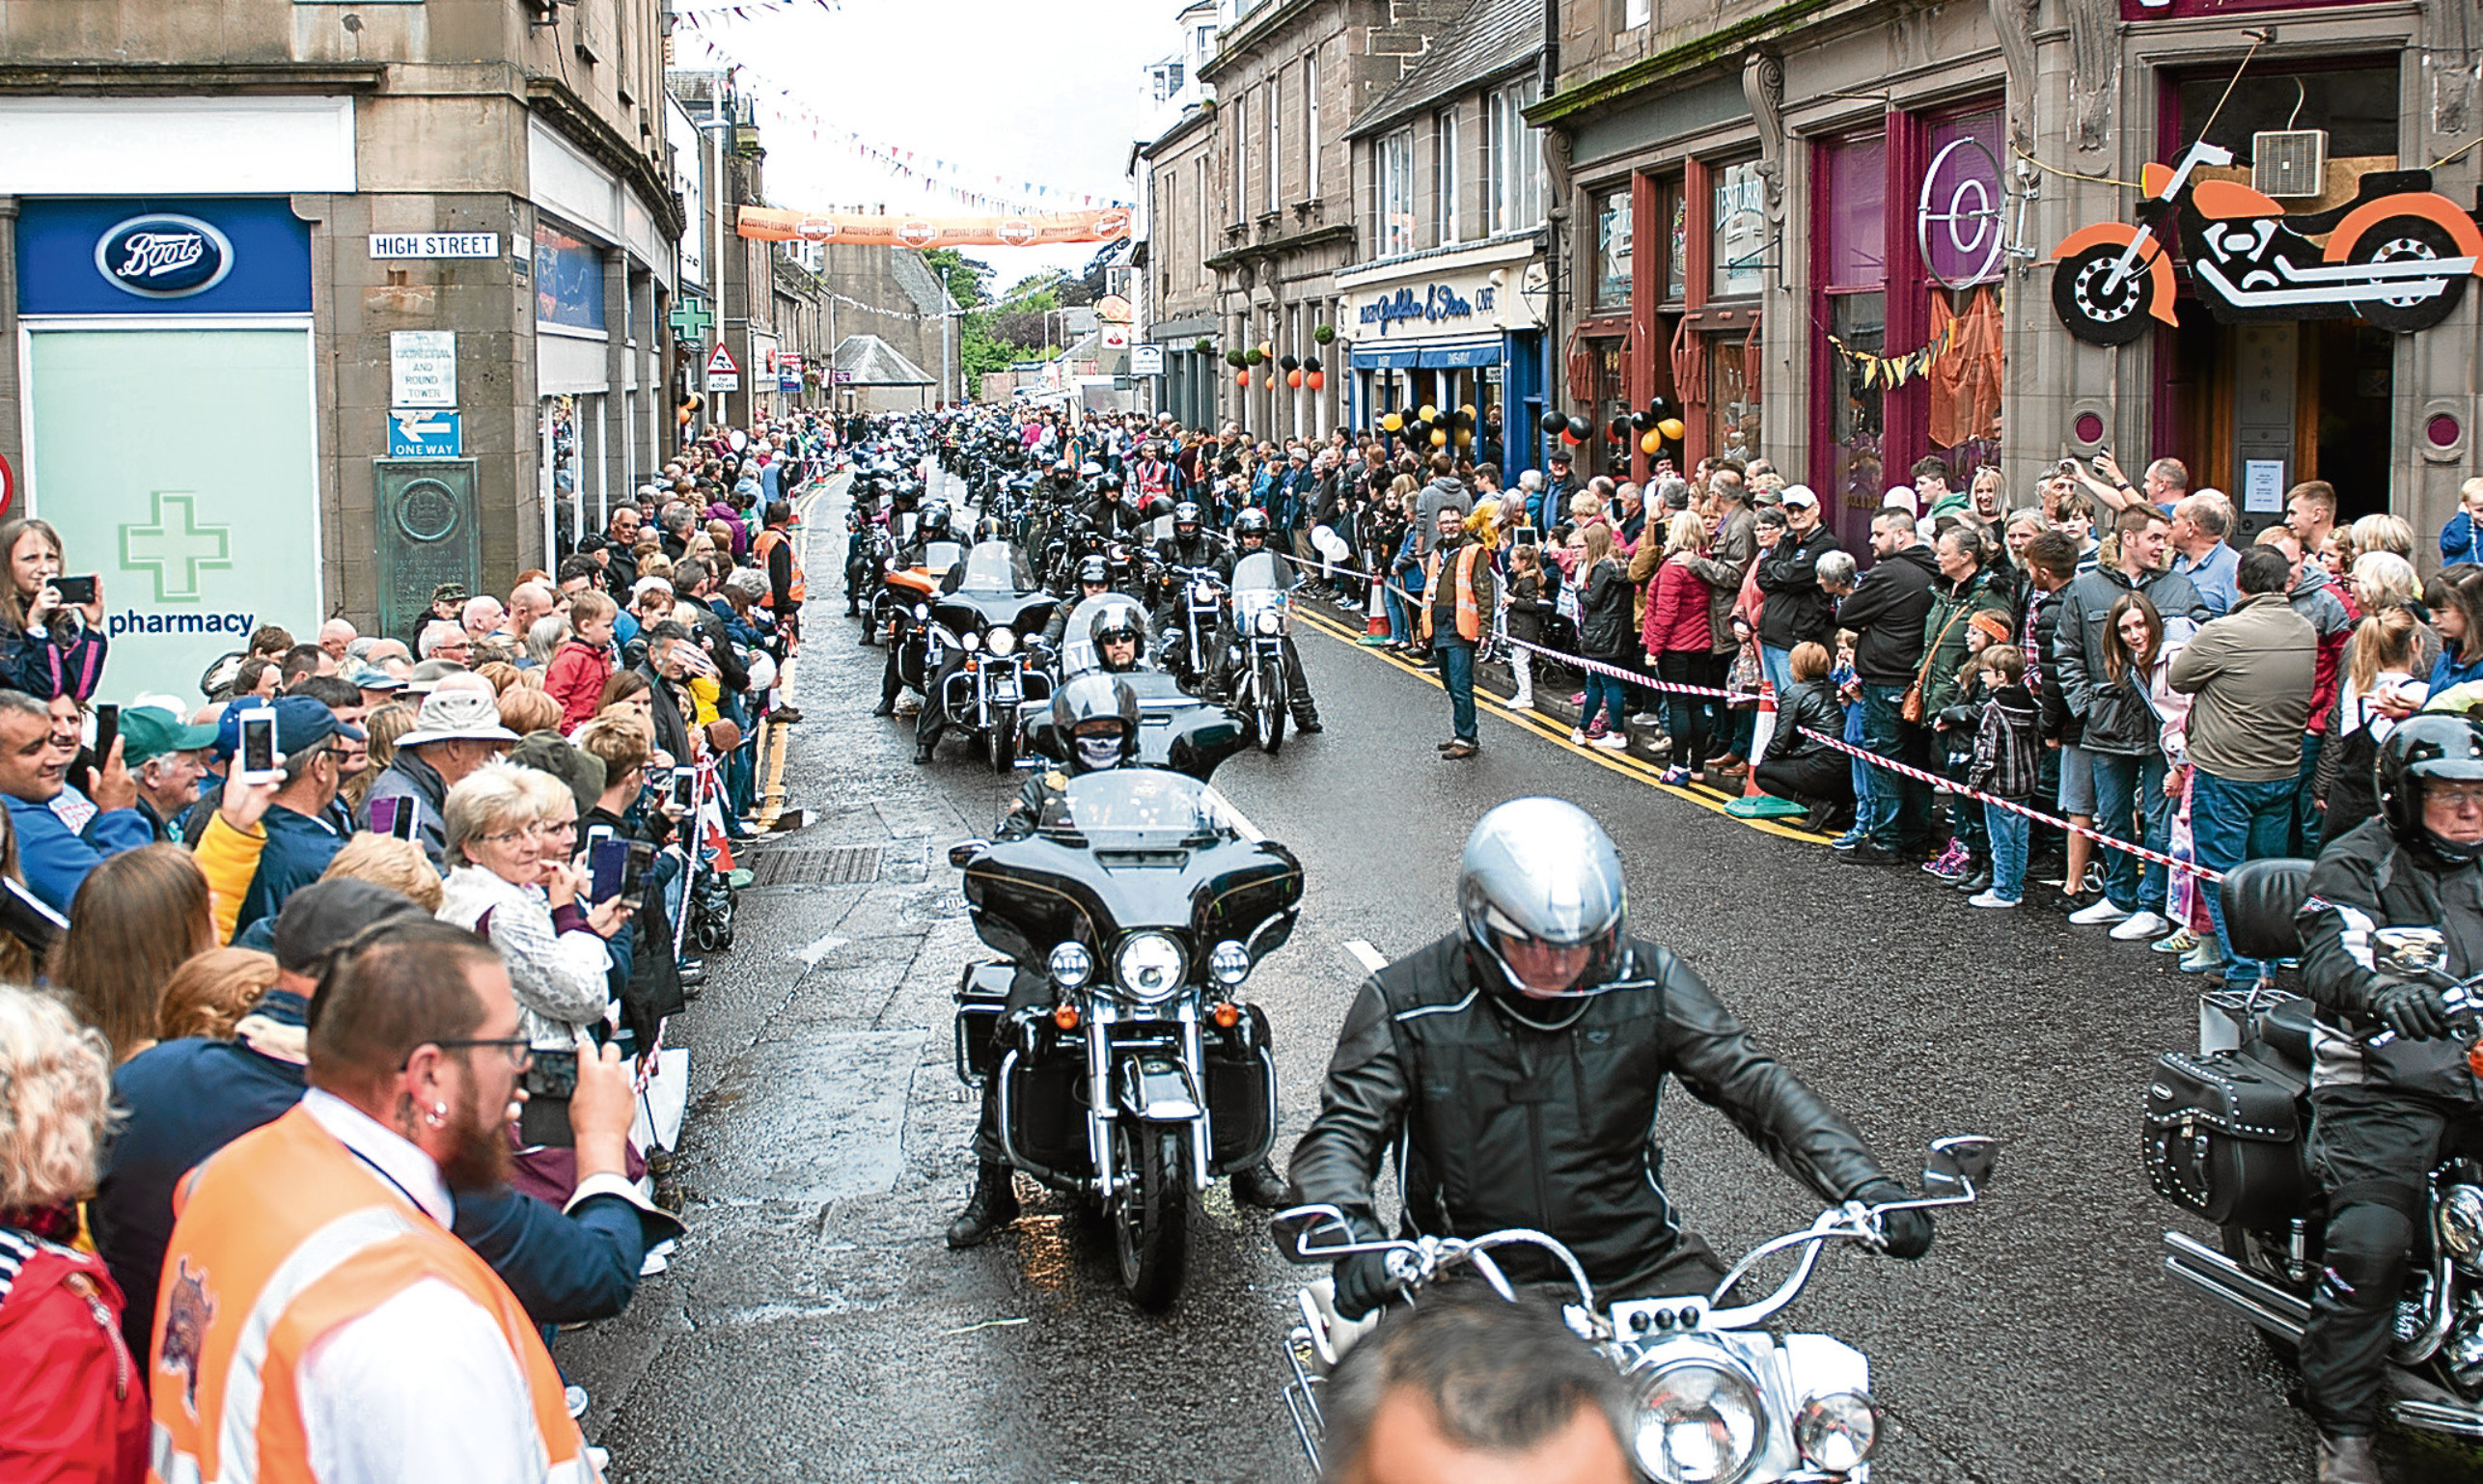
1263	569
993	567
1135	807
940	556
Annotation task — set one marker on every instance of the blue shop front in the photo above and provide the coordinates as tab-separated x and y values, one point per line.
1453	329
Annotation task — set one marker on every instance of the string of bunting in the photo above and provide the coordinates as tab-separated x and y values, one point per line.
1886	370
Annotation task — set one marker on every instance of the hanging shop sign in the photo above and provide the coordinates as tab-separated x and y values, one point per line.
1957	221
767	225
2397	255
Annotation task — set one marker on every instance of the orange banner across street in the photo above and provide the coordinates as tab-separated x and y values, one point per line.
769	224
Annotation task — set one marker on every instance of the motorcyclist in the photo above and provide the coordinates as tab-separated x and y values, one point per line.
934	524
1522	1059
1094	580
1095	718
2380	1117
1189	546
1114	517
1250	540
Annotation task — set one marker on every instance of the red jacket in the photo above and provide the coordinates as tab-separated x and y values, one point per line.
1677	616
575	679
73	1400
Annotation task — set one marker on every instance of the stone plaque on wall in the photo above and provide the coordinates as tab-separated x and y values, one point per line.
429	534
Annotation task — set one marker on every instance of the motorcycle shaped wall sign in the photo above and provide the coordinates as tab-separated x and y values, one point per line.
2397	255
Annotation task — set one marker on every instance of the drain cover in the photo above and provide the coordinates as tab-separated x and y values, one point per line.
816	866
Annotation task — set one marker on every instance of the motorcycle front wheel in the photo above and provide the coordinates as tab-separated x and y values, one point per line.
1152	1226
2093	312
1269	693
1002	744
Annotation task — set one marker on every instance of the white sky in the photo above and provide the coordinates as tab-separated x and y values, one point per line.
1049	93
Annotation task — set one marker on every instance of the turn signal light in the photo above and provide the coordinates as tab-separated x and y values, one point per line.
1066	1016
1227	1015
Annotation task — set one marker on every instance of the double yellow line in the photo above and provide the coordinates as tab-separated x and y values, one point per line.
1552	732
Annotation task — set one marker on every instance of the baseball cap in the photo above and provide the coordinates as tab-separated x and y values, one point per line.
371	678
325	914
227	725
1800	494
148	732
302	723
448	592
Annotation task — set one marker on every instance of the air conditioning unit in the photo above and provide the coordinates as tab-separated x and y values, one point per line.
2290	162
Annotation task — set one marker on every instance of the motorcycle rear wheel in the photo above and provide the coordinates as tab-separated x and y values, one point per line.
2398	239
1150	1229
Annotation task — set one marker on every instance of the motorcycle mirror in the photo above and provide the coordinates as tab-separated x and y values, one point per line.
962	854
1955	1162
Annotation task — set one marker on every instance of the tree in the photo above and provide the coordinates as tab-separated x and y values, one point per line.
968	279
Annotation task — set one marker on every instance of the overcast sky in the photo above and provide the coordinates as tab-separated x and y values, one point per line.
1050	94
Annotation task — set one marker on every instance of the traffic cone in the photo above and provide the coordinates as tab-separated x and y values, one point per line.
1375	625
1757	803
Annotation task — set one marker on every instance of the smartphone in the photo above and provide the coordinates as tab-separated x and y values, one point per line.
107	729
606	869
543	1118
257	755
74	591
383	814
685	786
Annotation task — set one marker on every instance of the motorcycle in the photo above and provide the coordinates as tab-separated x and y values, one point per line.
1199	606
903	607
1261	604
1176	729
2397	254
1147	901
1715	1395
984	610
2224	1139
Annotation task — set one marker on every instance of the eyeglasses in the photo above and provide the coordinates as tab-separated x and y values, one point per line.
535	830
519	1051
2459	796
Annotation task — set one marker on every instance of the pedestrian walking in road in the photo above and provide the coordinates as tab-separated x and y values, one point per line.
1458	590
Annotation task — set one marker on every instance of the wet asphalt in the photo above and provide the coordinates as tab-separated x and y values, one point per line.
814	1326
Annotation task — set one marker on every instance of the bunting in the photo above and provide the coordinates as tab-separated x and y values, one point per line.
768	225
1890	371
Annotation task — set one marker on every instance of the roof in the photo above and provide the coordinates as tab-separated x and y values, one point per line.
920	283
1492	37
867	361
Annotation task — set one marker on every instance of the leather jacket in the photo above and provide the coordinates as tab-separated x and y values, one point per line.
1507	1125
2365	880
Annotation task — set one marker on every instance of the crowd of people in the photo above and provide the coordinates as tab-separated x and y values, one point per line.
278	961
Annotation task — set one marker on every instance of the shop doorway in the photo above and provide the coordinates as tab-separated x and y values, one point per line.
2255	409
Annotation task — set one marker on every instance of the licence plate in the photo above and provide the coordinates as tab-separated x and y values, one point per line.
1004	689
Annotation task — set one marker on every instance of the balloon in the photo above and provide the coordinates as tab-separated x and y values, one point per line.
1270	383
1241	378
1293	378
1391	423
1318	379
1650	442
1439	437
1468	409
1569	436
1580	429
1638	421
738	439
1418	429
1464	439
1673	428
1620	429
1429	413
1288	363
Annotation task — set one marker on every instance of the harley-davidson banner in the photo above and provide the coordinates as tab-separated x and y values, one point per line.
769	224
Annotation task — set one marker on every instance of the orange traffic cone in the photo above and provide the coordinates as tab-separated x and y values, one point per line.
1760	738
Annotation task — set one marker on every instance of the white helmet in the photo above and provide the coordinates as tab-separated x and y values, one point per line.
1540	874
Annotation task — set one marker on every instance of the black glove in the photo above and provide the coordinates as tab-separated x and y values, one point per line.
1908	1232
1362	1283
2414	1011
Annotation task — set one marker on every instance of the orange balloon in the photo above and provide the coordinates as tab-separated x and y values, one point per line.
1318	379
1241	378
1439	437
1293	378
1651	441
1270	383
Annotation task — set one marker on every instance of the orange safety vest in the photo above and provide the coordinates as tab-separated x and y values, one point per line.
1470	618
280	1237
765	549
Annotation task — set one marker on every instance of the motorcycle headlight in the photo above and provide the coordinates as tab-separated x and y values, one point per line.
2458	1220
1230	964
1270	622
970	642
1002	639
1148	967
1697	1423
1071	965
1837	1432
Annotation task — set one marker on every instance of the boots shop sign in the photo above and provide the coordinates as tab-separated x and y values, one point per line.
2396	255
163	256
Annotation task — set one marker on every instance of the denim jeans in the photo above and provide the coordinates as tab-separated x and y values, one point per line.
2008	831
1399	626
1458	672
2126	787
2232	822
1603	691
2307	821
1899	812
1778	665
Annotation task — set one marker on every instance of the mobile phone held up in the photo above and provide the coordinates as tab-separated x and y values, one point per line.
543	1118
75	592
394	816
258	757
107	730
685	786
606	869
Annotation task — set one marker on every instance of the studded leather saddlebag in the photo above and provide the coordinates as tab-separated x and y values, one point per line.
2224	1137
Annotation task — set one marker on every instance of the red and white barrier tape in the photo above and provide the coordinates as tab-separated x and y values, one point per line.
1633	678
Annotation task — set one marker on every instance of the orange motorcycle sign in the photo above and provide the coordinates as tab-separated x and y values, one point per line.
769	224
2397	254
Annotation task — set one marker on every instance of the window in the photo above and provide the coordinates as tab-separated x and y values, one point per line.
1207	47
1275	143
1852	274
1310	128
1397	194
1738	232
1444	178
1514	159
1672	210
1613	249
1241	157
1636	13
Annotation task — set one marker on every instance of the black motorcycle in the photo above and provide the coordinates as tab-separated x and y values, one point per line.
979	621
1261	608
2223	1139
1146	901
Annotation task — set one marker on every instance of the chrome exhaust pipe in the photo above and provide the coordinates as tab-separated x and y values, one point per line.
2222	1278
2437	1416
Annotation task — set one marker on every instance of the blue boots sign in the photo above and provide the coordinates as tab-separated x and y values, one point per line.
163	256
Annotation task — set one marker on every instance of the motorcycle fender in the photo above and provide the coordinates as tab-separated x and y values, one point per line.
2430	206
2121	234
1156	1089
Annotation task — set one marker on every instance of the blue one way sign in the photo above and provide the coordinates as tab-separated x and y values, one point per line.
424	433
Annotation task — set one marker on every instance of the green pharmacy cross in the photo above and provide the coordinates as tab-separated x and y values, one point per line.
177	547
690	320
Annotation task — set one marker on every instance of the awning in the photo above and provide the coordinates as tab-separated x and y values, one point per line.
1389	358
1459	357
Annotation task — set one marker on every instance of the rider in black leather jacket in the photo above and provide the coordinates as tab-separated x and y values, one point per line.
2380	1117
1523	1107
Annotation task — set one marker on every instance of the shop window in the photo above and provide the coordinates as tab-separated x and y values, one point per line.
1612	402
1856	414
1732	399
1612	240
1738	230
1854	226
1672	210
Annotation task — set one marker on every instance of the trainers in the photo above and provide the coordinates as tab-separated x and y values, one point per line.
1578	700
2181	940
1612	742
575	1399
1577	736
2206	958
1949	864
1598	730
1676	776
1847	841
2138	926
2097	913
1645	719
1989	899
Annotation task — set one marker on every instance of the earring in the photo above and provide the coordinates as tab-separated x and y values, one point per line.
439	1115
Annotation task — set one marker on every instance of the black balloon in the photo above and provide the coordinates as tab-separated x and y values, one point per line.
1638	421
1579	429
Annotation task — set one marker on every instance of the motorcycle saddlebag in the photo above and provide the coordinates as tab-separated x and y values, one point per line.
982	999
1047	1108
2224	1137
1241	1085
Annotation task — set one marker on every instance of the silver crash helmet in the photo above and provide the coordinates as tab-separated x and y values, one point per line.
1094	698
1541	873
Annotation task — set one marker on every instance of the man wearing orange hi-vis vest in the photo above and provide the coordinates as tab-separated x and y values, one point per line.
318	1322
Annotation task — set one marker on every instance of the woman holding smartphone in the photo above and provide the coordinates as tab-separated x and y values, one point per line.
510	833
51	640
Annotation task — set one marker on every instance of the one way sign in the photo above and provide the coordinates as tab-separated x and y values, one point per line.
422	432
723	376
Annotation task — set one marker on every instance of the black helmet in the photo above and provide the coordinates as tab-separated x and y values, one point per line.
2424	746
1110	484
1541	873
1092	697
1252	521
935	521
1118	620
1094	570
1185	517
